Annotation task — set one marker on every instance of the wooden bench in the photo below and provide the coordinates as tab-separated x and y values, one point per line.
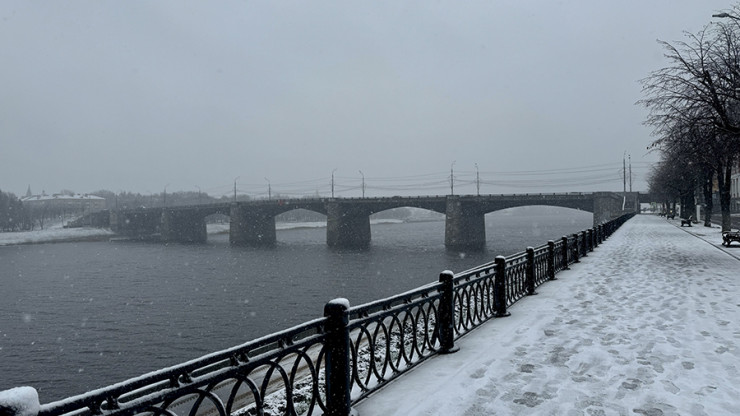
687	221
730	236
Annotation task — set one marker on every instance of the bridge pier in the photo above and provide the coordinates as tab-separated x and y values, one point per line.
183	226
608	206
465	225
347	226
136	223
251	227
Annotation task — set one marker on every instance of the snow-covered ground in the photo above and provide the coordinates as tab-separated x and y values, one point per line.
647	324
52	234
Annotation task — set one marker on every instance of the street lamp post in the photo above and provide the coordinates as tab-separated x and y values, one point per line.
198	193
269	189
725	15
164	197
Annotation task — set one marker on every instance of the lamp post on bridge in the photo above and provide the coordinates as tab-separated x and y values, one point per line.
235	187
452	178
332	182
269	190
164	197
198	193
363	184
477	180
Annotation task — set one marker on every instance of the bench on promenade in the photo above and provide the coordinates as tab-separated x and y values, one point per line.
730	236
687	221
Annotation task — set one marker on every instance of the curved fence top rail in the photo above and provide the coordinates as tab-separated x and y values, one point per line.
209	362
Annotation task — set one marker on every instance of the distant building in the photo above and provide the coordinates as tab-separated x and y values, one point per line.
83	203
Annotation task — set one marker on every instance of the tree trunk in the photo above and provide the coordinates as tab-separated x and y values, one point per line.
724	173
688	204
708	201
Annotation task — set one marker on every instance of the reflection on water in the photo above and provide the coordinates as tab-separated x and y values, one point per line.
76	316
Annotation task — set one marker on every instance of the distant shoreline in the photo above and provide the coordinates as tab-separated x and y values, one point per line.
70	235
55	235
71	239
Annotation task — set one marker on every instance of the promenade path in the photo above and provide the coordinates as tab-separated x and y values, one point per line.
647	324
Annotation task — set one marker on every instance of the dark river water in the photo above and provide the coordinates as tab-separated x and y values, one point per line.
78	316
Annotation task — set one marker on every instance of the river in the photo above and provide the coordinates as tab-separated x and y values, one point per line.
78	316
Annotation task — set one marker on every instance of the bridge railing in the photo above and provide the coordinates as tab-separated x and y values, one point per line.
304	200
326	365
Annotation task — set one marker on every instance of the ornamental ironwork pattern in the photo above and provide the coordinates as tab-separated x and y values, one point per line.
516	269
541	265
473	298
390	336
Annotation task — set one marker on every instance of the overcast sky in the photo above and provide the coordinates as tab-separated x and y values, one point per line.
142	95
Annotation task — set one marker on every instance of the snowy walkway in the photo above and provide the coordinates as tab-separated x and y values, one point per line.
647	324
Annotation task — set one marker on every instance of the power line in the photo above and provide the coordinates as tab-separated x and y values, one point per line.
439	182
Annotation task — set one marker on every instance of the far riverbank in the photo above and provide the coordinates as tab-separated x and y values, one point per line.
59	234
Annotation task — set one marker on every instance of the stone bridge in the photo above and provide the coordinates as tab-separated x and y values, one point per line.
348	219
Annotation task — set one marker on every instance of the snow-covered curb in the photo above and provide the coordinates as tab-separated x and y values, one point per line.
712	235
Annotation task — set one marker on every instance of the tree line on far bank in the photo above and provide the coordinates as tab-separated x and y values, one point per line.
694	105
14	216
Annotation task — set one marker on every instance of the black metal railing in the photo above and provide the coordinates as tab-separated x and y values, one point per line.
326	365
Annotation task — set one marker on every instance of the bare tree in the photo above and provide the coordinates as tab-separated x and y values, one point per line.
675	179
694	104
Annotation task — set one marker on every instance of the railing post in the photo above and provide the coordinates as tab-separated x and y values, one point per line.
583	247
596	237
499	288
551	260
446	318
19	401
338	369
590	239
530	272
566	253
577	250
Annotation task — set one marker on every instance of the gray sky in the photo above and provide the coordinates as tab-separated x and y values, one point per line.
139	95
